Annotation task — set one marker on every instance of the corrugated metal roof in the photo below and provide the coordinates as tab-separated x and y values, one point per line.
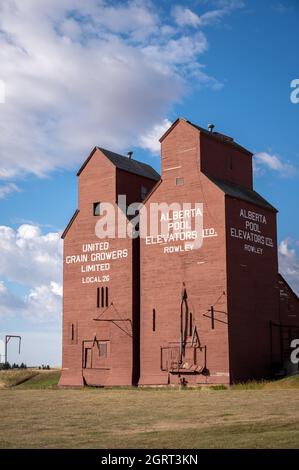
125	163
287	285
213	135
131	165
241	192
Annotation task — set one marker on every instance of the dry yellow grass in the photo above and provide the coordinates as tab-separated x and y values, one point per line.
11	378
164	418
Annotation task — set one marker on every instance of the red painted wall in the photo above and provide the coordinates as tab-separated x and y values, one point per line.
252	289
225	161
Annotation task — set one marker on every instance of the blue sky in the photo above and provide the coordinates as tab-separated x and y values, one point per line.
116	74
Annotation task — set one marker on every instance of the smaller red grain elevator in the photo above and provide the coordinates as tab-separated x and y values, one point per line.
101	277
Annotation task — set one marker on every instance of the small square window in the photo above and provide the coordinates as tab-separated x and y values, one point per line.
179	181
143	192
96	208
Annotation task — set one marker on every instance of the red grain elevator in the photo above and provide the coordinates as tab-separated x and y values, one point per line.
101	278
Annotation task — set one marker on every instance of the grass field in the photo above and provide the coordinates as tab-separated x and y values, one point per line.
36	414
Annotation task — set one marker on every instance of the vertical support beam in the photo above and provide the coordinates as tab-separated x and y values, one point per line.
281	343
136	310
271	343
6	341
181	333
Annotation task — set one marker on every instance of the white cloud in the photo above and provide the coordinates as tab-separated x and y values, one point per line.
264	160
185	17
28	257
176	51
7	189
28	232
80	74
56	288
150	141
34	261
44	303
289	263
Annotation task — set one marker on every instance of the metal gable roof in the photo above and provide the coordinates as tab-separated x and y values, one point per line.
131	165
213	135
126	164
240	192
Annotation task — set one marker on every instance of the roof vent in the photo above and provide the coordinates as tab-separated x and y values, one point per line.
129	154
211	128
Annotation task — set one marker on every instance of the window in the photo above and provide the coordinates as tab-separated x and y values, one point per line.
179	181
98	297
102	349
143	192
72	333
102	297
106	300
96	208
95	354
154	319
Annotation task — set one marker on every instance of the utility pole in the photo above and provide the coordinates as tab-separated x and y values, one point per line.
7	339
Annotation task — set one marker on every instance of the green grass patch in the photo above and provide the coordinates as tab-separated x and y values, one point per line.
42	380
218	387
280	384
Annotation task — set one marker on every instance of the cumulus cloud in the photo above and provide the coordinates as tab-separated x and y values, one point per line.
264	160
43	303
150	141
79	74
34	261
289	263
29	257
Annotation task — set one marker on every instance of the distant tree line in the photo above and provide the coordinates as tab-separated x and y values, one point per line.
8	366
